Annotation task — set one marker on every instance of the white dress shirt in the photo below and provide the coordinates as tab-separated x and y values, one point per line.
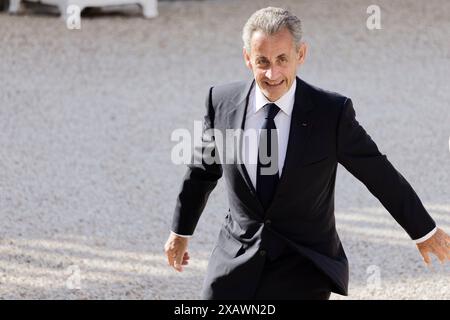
254	120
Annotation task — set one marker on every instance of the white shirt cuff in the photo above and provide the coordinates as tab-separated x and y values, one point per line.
427	236
182	235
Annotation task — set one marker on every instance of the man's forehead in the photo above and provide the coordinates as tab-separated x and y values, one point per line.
264	45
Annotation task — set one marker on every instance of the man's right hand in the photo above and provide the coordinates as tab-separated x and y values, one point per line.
176	251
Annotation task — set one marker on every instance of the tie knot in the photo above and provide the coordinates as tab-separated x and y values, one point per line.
272	110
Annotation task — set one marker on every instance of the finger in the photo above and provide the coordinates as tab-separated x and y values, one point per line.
441	255
426	257
178	262
445	242
169	255
439	252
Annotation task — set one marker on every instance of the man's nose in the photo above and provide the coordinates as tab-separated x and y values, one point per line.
272	73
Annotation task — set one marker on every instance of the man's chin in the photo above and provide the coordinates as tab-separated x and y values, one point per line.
273	95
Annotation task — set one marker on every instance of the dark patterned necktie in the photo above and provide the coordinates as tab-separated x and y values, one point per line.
267	168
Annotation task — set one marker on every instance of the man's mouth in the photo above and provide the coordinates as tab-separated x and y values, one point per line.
275	84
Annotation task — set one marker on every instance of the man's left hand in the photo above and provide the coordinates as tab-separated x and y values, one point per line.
438	244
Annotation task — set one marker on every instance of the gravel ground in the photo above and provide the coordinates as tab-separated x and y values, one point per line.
87	188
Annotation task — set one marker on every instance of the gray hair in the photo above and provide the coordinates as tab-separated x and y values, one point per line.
270	20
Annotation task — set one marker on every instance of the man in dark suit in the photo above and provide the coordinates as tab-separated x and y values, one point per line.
279	240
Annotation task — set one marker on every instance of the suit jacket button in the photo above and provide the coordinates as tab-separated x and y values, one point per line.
268	222
262	252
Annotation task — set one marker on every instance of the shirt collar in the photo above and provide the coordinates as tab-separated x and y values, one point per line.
285	102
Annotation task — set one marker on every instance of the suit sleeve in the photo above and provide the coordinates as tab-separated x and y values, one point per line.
359	154
200	179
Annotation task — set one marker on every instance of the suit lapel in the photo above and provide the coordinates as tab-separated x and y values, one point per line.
236	121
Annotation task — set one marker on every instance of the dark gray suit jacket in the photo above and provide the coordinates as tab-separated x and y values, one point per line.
323	133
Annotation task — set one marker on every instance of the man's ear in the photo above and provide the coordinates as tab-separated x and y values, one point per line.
301	54
248	62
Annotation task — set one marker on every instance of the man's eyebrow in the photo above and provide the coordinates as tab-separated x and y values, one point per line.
283	55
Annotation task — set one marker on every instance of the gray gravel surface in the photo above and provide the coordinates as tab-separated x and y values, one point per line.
87	187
